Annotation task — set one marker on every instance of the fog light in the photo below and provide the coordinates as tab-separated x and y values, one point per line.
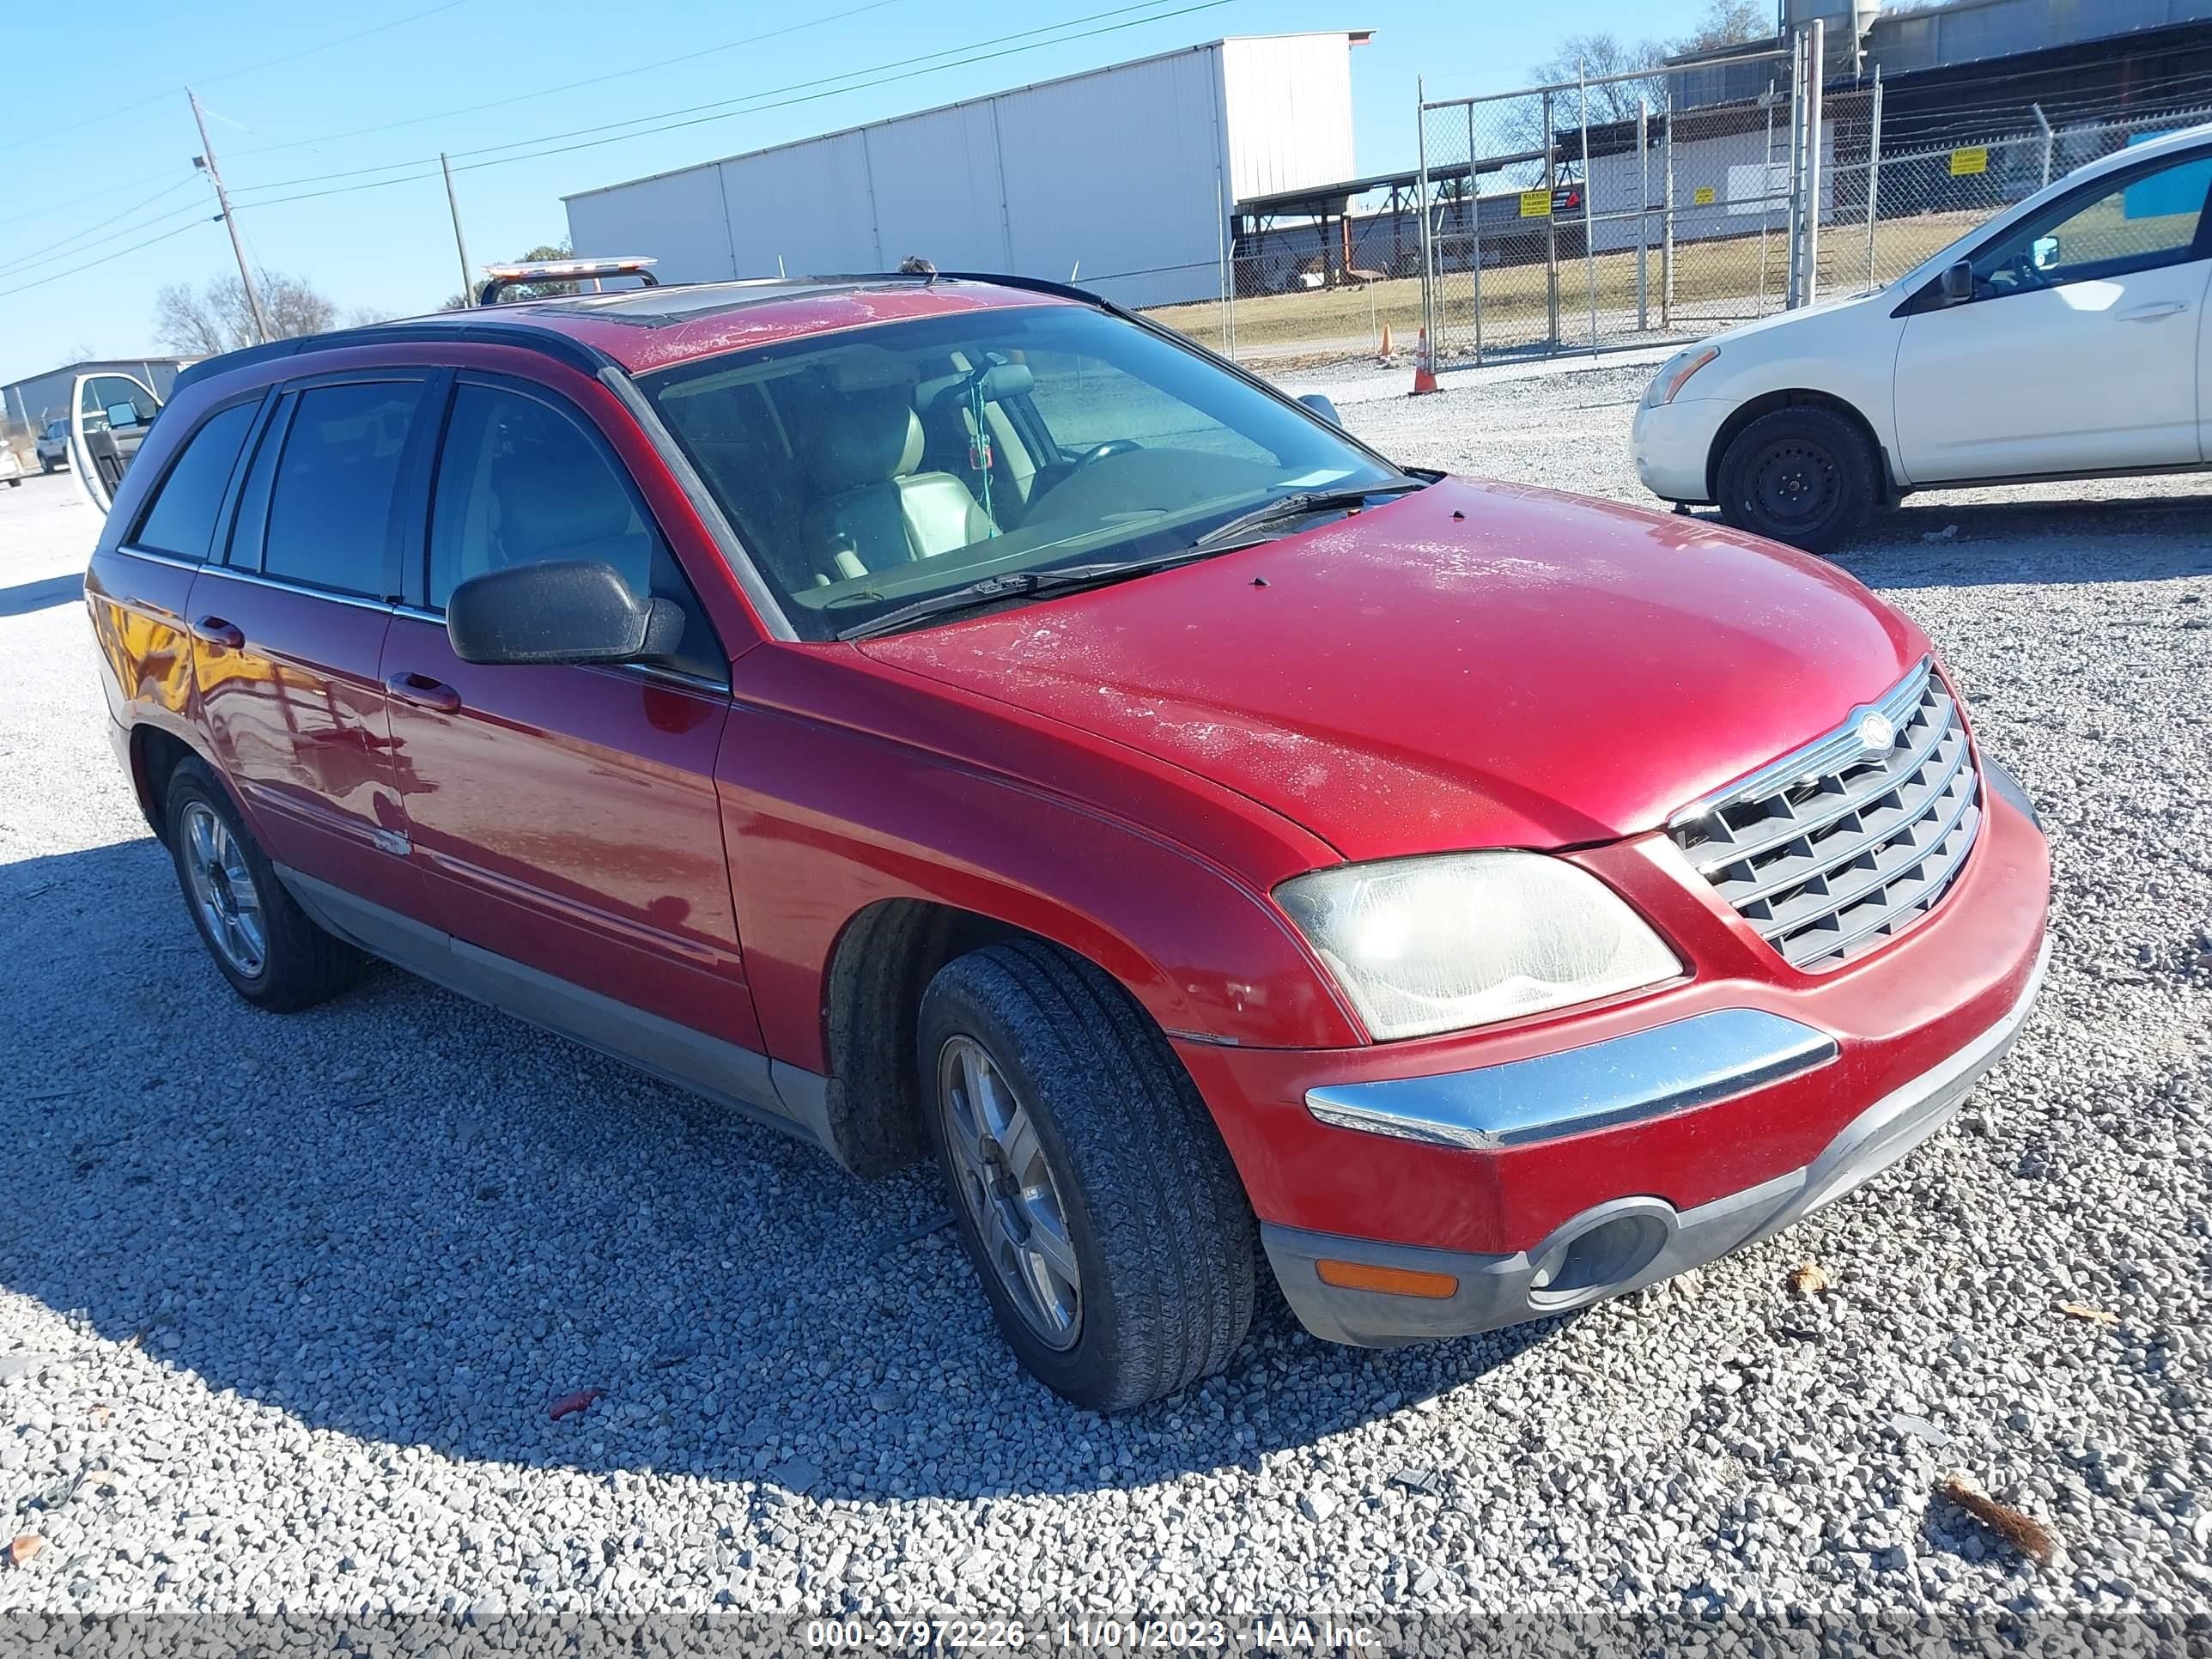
1597	1259
1391	1281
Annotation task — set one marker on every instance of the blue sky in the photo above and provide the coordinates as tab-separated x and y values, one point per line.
98	144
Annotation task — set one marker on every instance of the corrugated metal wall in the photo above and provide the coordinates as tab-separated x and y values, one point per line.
1967	31
1125	173
1289	102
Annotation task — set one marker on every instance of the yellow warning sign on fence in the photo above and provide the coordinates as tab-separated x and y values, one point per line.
1535	205
1975	159
1702	196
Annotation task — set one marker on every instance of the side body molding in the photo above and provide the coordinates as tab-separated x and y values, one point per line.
784	1097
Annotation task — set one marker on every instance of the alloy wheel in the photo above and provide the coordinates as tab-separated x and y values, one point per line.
1007	1185
223	890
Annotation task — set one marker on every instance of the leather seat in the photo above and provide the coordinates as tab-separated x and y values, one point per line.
875	510
549	509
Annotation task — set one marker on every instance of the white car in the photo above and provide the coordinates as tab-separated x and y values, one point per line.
2064	338
11	467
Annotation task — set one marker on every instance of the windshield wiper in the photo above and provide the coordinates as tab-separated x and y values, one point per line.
1017	584
1032	583
1297	505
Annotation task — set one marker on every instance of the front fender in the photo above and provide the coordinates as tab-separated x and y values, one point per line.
824	820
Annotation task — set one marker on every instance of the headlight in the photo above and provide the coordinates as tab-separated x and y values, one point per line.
1443	943
1674	374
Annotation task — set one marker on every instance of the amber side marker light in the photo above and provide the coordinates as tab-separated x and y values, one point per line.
1392	1281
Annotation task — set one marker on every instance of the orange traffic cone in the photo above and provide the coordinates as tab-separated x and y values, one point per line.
1382	351
1424	368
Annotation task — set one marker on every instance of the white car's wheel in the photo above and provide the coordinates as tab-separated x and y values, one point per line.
1804	475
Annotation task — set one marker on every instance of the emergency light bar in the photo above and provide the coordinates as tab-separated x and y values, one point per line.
500	278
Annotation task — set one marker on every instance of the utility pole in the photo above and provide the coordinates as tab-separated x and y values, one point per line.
460	242
206	159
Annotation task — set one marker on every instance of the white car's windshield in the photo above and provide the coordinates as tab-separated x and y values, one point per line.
873	469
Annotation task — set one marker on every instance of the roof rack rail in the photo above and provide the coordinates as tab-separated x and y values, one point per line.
551	343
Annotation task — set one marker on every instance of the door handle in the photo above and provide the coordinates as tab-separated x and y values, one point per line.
2156	309
423	692
213	630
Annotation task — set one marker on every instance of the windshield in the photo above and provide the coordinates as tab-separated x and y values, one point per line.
873	468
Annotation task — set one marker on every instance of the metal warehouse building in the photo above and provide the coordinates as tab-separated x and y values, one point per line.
1130	173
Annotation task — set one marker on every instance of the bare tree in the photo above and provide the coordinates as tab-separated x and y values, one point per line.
1579	56
202	322
1728	23
1596	55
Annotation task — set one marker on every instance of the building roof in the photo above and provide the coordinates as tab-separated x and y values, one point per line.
1356	37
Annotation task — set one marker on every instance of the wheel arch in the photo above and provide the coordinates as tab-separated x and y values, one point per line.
881	963
155	754
880	966
1787	397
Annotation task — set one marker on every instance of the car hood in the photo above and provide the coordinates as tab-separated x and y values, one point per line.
1826	314
1477	665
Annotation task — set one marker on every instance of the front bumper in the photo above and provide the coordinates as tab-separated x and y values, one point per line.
1672	444
1624	1243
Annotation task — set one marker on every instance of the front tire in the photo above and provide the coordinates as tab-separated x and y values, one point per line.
1087	1180
262	941
1802	475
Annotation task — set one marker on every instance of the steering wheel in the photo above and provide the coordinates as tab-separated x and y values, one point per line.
2021	272
1099	451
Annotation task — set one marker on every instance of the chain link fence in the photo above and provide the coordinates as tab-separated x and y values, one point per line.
1630	210
1603	212
1908	187
1618	212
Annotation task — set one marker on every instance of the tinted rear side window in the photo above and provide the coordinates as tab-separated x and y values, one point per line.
182	521
520	482
330	512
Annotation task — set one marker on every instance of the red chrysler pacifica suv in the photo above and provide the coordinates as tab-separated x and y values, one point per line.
951	716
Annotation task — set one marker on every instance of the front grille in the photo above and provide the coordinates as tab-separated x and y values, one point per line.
1835	848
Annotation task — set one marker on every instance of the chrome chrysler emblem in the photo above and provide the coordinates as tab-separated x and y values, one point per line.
1875	733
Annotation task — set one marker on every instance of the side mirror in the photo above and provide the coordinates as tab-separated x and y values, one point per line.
1322	407
562	610
121	416
1958	284
2043	251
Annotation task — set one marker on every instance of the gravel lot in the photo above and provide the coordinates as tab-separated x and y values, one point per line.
284	1302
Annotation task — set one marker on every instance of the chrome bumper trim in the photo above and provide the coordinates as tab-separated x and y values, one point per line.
1498	1290
1673	1068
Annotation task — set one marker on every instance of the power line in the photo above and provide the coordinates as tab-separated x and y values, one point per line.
343	41
726	104
111	111
568	86
55	276
551	147
590	144
95	196
18	261
19	266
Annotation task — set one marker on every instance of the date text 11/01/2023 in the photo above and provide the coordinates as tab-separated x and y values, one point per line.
1259	1633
